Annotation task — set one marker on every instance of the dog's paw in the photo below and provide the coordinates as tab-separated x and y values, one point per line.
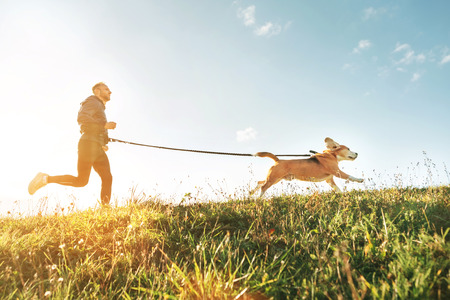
356	179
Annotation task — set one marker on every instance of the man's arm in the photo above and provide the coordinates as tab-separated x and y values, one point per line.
109	125
87	112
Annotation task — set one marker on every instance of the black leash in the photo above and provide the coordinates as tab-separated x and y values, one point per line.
201	151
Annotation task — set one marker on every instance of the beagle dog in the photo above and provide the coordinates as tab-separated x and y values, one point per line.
319	167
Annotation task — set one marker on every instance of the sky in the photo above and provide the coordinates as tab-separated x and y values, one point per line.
231	76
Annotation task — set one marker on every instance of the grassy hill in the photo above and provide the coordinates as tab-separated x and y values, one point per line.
391	243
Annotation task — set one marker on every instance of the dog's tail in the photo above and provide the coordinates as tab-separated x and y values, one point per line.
267	154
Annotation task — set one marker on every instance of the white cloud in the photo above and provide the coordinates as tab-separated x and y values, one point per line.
420	58
268	29
347	67
246	134
445	59
400	47
407	58
409	55
288	25
415	77
248	15
384	72
351	68
362	45
369	13
372	13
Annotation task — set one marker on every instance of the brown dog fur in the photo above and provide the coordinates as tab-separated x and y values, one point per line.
319	167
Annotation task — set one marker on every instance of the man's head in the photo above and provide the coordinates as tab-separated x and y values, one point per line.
102	91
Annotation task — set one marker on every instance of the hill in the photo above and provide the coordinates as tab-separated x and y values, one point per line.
378	244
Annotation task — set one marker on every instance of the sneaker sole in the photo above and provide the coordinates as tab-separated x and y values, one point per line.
36	183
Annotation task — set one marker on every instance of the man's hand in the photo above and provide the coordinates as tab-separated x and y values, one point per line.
110	125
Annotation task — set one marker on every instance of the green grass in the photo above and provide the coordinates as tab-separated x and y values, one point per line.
380	244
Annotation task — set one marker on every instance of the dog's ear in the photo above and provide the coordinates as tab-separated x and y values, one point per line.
331	144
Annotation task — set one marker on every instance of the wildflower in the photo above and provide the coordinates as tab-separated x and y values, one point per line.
60	279
81	241
62	246
47	294
53	267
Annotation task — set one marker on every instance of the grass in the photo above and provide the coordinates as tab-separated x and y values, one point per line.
374	244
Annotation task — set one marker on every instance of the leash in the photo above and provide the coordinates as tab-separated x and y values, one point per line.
201	151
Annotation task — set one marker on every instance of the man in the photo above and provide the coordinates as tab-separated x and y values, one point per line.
91	147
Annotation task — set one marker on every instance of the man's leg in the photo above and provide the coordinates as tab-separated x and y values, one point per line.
84	171
102	167
87	153
42	179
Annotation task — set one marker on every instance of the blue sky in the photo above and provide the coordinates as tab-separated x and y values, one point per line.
233	76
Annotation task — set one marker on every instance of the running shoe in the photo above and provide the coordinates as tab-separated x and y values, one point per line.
40	180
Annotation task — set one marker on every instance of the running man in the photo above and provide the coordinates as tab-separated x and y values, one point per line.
91	147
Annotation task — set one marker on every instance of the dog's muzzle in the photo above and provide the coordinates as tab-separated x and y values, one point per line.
353	156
